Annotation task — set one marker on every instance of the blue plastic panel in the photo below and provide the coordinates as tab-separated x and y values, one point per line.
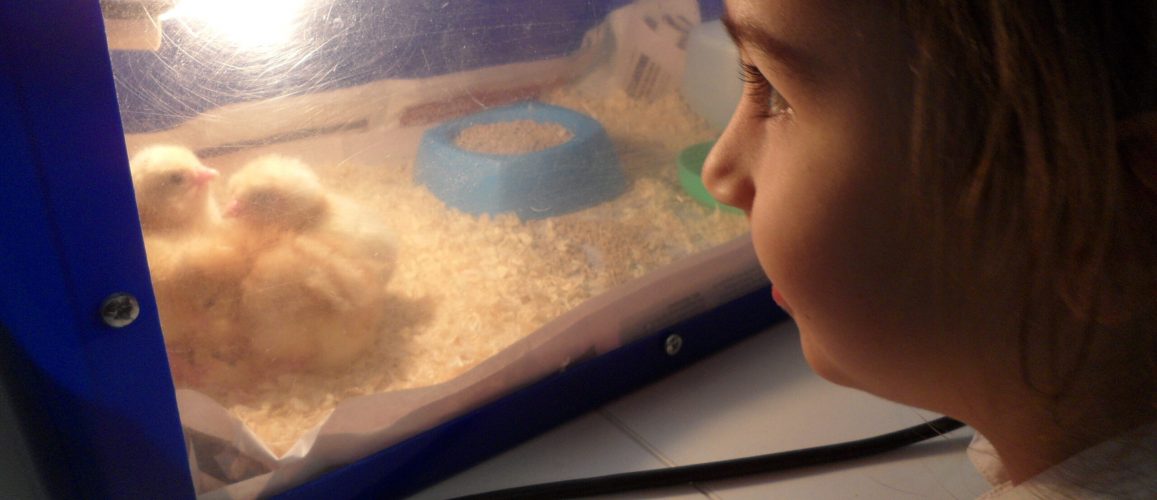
100	399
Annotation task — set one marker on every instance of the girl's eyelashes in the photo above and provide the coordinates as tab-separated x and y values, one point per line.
771	102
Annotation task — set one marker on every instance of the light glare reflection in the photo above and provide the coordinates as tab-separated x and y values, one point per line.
244	24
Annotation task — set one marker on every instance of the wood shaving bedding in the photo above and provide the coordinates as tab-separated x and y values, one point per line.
468	286
512	137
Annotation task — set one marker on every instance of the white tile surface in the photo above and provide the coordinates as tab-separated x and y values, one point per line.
760	397
757	397
587	446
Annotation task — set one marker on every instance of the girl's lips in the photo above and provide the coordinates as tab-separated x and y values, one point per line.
779	300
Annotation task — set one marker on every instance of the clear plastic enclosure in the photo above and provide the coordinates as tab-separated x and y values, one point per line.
364	217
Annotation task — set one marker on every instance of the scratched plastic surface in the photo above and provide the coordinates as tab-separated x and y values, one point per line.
308	240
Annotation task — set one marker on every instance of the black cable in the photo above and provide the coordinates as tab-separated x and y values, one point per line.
711	471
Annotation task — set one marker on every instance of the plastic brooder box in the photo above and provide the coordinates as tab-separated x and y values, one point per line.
88	405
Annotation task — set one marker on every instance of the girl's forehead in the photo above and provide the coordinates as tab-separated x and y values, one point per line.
796	19
752	31
817	39
813	20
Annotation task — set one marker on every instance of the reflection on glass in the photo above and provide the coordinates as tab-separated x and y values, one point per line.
244	24
303	253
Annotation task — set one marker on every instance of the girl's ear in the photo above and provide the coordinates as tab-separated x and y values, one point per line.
1138	149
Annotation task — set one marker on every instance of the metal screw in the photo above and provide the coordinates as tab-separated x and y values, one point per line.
674	344
119	310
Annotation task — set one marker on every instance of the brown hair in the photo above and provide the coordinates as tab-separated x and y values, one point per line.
1016	145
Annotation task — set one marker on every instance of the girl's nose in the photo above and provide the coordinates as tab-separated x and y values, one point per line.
726	176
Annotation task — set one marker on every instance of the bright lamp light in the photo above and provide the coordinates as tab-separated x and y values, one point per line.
244	24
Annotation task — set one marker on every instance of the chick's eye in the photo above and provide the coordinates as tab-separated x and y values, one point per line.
176	178
771	103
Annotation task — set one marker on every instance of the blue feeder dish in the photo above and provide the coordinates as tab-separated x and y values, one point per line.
581	172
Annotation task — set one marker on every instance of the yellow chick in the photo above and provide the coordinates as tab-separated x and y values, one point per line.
197	283
315	295
173	190
305	306
274	194
195	263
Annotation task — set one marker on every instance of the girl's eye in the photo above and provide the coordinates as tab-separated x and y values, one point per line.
761	91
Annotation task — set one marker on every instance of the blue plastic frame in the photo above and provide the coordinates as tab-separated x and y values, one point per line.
97	402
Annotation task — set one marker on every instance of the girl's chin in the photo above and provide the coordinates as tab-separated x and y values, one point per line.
821	364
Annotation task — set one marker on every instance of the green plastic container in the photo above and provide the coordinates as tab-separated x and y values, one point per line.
690	164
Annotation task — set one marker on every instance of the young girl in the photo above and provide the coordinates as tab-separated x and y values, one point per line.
957	202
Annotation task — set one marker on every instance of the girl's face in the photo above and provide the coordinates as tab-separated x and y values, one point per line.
816	155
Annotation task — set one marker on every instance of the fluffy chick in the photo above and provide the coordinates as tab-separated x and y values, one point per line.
275	195
197	283
306	306
195	264
173	190
315	295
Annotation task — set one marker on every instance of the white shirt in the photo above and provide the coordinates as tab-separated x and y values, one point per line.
1121	468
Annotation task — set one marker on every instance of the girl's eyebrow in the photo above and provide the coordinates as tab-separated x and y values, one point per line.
791	58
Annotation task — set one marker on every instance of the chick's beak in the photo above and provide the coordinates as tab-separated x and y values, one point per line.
205	174
232	208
